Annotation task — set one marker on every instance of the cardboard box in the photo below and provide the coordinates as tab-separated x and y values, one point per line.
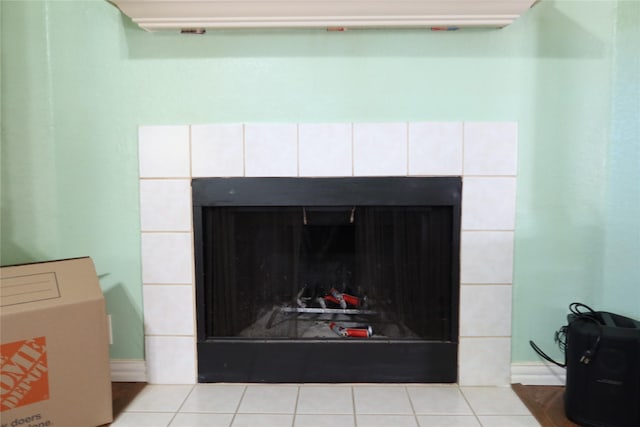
54	346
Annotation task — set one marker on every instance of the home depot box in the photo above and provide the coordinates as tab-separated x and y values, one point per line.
54	363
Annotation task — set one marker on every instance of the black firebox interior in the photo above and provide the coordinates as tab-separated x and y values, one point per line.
327	279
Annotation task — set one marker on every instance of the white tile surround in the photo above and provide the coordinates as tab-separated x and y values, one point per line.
483	153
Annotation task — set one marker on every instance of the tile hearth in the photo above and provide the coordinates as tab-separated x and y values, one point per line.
286	405
484	154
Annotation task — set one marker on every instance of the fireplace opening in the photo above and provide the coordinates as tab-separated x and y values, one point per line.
327	279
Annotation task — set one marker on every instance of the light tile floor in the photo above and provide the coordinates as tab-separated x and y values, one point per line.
320	405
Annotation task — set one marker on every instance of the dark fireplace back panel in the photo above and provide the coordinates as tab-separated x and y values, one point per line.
265	247
262	258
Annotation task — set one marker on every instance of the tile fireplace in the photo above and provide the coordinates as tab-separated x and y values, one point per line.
481	155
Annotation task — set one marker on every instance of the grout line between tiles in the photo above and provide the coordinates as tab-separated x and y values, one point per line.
233	418
353	406
170	335
193	387
473	411
413	409
295	407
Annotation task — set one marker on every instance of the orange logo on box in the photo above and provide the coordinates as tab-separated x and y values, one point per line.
24	377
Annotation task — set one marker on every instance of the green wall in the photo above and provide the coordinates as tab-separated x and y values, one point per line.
78	78
623	199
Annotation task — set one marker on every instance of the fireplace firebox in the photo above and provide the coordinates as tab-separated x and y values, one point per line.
327	279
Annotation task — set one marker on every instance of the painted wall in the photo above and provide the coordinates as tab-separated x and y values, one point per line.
622	261
78	78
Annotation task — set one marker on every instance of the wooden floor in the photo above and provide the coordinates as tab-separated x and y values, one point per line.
544	402
123	394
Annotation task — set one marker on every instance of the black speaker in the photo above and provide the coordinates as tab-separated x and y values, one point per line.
603	370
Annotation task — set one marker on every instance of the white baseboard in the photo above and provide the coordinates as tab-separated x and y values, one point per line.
537	374
126	370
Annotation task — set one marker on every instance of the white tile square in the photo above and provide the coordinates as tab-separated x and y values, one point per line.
217	150
508	421
485	310
170	360
220	398
202	420
168	309
386	421
318	420
325	149
163	151
315	400
448	421
380	149
142	419
382	400
165	205
269	399
159	398
166	258
494	401
262	420
486	257
437	399
271	150
488	203
484	361
490	148
435	148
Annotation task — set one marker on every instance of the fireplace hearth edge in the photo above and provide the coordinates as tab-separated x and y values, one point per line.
225	359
